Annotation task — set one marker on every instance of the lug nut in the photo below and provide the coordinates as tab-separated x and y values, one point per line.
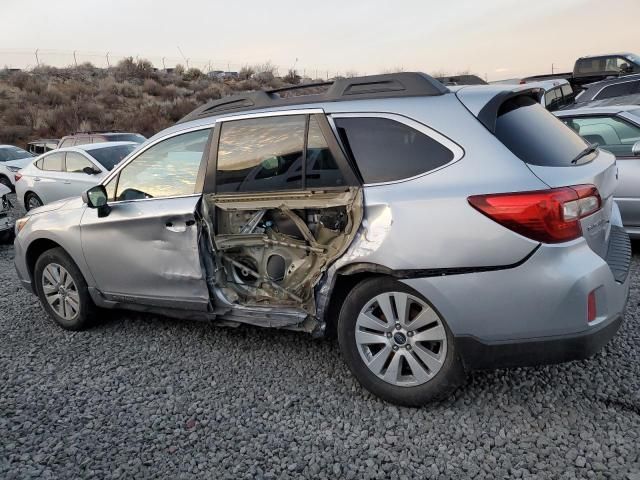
388	334
395	348
408	347
409	334
398	326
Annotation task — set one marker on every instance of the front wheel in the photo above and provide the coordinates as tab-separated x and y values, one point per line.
6	237
396	344
63	290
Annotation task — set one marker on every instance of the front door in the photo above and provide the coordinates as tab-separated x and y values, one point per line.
145	250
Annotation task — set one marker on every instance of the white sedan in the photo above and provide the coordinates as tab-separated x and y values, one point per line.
12	159
67	172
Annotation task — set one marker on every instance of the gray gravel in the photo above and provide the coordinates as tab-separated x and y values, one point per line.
147	397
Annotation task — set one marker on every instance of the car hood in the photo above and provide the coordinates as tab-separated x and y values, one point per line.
21	162
64	204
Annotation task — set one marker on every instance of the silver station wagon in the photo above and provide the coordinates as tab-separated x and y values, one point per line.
433	230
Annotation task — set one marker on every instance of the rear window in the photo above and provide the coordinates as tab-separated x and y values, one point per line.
13	153
534	135
109	157
386	150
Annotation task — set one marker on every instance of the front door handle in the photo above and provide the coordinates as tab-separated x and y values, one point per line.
36	179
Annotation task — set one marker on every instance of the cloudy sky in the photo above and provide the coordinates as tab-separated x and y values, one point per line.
496	38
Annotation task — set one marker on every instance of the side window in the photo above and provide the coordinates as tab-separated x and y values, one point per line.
610	133
550	98
167	169
68	142
75	163
261	154
386	150
626	88
322	169
38	164
53	162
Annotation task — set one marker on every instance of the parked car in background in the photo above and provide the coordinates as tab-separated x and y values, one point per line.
594	68
616	129
67	172
6	220
558	93
83	138
610	88
207	220
12	159
38	147
452	80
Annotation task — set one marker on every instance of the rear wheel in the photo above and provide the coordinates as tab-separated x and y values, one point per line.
31	201
5	181
396	344
63	290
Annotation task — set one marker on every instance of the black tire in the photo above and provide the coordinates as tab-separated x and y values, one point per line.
6	182
87	309
29	198
6	237
441	385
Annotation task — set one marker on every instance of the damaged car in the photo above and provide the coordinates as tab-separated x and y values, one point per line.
433	230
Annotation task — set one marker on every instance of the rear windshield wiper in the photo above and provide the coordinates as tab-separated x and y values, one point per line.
587	151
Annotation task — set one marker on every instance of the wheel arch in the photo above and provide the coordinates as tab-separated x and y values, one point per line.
36	249
346	278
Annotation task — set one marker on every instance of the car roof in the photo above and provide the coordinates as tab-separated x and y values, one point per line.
93	146
615	54
10	146
596	110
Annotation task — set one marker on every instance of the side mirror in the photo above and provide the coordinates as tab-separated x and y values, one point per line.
90	171
96	197
635	150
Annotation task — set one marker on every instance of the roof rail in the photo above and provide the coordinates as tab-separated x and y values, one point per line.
403	84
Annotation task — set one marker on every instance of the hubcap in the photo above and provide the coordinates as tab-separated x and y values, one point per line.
60	291
401	339
33	202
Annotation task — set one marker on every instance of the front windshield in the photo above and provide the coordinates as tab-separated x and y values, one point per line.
109	157
13	153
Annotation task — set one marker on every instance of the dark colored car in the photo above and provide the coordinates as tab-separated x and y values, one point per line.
610	88
595	68
99	137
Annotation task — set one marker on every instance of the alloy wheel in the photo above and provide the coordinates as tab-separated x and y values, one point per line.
401	339
33	202
61	291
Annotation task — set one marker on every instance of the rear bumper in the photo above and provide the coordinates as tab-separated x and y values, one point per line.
535	313
478	355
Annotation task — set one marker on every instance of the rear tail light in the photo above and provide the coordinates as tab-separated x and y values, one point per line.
17	176
549	216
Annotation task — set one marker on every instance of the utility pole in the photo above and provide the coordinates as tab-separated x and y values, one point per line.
164	67
37	59
552	69
75	60
108	64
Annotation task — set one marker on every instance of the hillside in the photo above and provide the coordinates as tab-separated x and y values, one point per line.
50	102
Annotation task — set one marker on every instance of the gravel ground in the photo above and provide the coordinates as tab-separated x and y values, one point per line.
148	397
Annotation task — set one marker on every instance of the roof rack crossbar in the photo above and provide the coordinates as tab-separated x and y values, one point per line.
403	84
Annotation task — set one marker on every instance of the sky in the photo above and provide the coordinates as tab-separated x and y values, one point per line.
496	39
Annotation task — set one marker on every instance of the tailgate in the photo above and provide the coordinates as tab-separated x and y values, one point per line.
601	172
553	152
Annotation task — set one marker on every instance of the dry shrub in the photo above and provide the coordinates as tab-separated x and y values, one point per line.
213	92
